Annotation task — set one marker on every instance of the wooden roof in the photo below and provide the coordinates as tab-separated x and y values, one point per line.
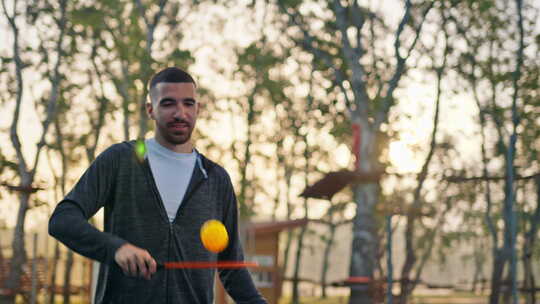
333	182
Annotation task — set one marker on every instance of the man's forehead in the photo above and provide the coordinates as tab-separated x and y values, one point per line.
184	88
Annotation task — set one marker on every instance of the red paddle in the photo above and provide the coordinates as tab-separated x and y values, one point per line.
201	265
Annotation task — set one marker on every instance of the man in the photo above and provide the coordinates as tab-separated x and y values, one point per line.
154	207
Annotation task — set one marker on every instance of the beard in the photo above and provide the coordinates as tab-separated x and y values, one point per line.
175	137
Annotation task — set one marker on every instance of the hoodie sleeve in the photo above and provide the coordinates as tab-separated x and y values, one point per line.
237	282
69	221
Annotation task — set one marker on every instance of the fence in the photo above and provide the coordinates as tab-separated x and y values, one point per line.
51	273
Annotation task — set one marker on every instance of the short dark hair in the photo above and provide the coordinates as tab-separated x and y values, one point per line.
171	74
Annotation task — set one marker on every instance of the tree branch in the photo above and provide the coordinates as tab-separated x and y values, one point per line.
103	102
517	72
308	45
439	71
53	98
431	240
388	100
142	12
151	26
501	130
27	189
330	223
353	57
462	179
481	112
22	166
159	14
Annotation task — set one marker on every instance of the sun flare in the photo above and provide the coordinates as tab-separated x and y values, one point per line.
402	157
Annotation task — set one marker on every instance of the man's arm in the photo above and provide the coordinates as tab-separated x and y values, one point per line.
237	282
69	221
69	225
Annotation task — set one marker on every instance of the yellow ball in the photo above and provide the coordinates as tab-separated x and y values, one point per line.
214	236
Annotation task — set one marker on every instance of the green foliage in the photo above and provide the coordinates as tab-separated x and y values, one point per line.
341	129
181	58
88	16
293	4
257	58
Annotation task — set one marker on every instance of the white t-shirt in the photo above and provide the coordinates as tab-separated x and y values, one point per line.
172	172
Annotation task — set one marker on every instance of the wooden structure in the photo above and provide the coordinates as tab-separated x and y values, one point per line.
333	182
26	280
262	246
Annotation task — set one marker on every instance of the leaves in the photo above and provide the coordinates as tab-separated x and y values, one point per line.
88	16
341	129
292	4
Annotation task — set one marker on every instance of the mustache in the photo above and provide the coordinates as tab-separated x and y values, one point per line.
178	121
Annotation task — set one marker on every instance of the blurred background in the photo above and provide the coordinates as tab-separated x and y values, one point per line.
381	151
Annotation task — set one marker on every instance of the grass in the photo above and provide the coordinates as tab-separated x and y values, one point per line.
74	299
454	298
316	300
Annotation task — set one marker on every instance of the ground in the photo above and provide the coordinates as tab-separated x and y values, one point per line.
456	298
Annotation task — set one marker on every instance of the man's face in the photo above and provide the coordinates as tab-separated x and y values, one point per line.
174	107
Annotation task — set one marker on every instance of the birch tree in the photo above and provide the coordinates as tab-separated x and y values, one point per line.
347	37
498	67
128	32
439	66
19	15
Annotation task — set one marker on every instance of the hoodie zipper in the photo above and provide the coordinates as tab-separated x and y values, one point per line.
198	163
168	259
156	193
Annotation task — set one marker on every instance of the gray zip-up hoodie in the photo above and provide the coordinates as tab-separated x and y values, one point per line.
122	183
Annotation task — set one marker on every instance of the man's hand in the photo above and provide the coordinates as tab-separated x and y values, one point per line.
135	261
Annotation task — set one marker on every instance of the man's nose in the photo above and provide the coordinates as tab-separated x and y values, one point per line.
180	112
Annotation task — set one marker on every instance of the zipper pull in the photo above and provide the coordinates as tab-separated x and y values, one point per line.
199	163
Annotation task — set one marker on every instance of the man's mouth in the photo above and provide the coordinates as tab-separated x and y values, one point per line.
178	126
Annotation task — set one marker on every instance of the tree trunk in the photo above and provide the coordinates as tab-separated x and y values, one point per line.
507	290
288	177
478	268
67	277
286	251
327	249
122	87
529	244
364	242
410	260
296	276
529	281
245	202
52	290
499	262
509	189
19	257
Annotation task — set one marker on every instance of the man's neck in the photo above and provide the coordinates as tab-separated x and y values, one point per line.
186	147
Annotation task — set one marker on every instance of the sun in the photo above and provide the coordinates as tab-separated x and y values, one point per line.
402	157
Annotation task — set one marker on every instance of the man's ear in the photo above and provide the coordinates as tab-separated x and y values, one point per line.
150	110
